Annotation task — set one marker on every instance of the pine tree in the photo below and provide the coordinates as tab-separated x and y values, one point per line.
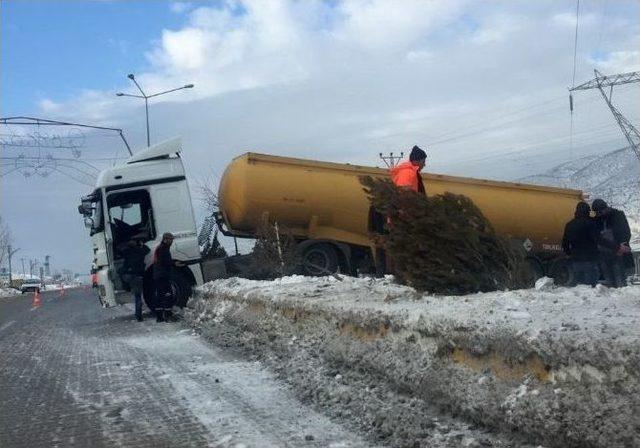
442	244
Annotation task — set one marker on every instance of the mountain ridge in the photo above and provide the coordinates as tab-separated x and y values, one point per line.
614	177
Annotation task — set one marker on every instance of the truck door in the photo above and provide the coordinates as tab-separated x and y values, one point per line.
129	217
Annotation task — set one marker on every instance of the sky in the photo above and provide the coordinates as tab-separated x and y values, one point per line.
482	86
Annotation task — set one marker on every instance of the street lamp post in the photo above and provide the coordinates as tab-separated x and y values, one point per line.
146	98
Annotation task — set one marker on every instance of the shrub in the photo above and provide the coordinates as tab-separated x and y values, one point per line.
442	244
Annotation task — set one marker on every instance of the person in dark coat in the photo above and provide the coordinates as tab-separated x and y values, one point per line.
162	267
133	269
580	243
614	237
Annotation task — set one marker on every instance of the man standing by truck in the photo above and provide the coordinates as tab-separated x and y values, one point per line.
407	174
132	272
162	267
615	234
580	243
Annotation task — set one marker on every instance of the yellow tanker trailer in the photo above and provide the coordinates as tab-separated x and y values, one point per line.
326	209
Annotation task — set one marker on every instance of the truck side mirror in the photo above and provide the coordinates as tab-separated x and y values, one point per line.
85	208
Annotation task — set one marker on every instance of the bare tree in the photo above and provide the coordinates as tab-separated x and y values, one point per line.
208	235
5	242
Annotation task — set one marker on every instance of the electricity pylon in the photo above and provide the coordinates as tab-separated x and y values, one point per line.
601	82
391	160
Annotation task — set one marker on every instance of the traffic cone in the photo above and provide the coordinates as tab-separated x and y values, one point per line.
36	299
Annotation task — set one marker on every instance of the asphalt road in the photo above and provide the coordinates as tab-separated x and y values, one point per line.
74	374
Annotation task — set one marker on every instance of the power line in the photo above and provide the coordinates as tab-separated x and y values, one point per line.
575	44
573	79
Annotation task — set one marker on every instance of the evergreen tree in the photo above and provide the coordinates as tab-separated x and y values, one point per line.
442	244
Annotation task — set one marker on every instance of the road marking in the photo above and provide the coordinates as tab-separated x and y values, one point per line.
7	325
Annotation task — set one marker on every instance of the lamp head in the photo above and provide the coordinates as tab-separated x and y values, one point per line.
119	94
188	86
130	76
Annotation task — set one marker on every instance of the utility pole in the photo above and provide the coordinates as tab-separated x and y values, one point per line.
391	160
10	252
601	82
24	274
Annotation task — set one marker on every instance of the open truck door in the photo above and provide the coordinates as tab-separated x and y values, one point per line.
92	209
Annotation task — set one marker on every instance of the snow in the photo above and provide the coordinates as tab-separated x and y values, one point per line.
240	402
530	310
8	292
584	339
544	284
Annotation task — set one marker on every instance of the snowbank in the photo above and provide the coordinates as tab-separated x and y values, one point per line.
559	365
8	292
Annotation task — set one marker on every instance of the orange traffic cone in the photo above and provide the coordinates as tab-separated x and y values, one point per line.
36	299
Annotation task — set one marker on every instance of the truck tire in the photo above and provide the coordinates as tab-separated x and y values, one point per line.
319	259
149	292
532	271
560	271
181	288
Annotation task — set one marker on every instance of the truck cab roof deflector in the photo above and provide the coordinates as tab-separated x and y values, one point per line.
161	150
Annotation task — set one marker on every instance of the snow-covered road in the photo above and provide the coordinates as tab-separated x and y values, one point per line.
77	375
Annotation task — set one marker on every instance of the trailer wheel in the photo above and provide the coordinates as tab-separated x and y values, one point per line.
319	259
559	270
532	271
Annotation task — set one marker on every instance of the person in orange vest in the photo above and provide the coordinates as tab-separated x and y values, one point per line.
404	175
94	278
407	174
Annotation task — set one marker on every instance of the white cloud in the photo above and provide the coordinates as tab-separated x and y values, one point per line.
371	74
498	28
180	7
618	62
568	20
383	25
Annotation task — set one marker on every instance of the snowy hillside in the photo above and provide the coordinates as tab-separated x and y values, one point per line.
614	177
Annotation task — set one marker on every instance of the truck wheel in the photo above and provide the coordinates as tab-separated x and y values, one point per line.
181	288
149	292
560	272
319	259
532	271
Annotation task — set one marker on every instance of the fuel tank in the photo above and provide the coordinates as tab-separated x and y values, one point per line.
323	200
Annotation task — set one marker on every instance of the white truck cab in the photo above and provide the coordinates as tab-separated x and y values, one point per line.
143	198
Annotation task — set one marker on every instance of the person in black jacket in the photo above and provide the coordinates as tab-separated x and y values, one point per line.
132	271
162	267
615	253
580	243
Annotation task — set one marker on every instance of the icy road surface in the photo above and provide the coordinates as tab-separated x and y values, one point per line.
73	374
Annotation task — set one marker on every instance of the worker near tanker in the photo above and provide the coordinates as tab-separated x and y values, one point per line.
162	269
404	175
613	243
132	271
407	174
580	243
